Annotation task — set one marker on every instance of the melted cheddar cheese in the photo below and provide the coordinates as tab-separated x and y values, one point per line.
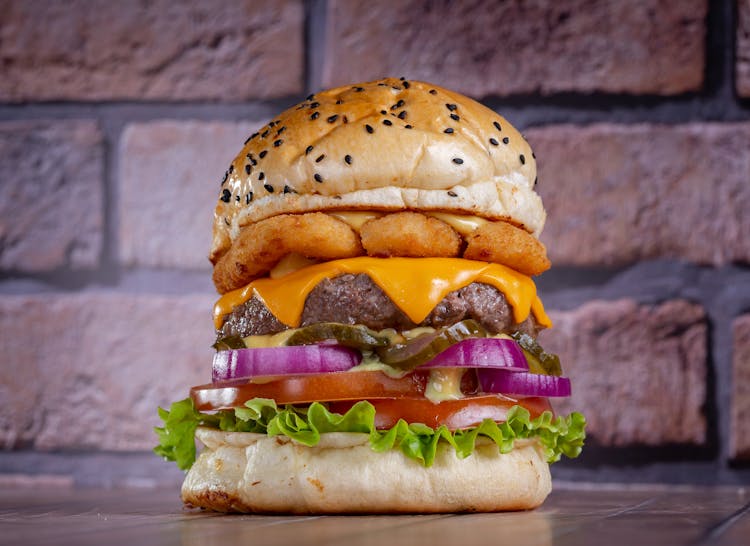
416	286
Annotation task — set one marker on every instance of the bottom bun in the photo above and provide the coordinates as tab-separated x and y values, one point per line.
255	473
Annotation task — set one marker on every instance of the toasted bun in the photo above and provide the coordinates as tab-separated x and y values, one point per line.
245	472
386	145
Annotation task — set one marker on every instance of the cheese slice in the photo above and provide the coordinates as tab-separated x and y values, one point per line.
415	285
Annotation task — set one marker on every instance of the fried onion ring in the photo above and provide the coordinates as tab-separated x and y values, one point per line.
506	244
410	234
260	246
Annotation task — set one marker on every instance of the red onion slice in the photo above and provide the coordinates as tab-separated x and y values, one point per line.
293	360
529	384
482	353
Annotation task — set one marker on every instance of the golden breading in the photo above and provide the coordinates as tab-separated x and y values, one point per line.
504	243
410	234
260	246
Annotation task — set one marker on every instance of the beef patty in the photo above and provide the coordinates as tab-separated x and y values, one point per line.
356	299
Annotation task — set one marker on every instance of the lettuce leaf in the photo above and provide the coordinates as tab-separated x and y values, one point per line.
557	436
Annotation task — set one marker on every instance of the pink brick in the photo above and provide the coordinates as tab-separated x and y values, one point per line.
739	433
51	195
102	50
638	372
618	194
169	182
743	48
88	371
503	48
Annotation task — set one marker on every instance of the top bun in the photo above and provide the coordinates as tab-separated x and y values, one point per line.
385	145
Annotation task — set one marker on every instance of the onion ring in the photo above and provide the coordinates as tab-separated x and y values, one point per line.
410	235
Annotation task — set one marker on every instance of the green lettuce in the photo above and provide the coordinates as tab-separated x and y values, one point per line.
557	436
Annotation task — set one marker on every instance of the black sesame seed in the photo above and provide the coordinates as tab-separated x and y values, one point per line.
227	222
287	189
455	117
231	169
452	194
251	137
320	158
345	119
348	159
387	122
263	154
402	115
494	142
237	198
268	187
224	179
359	89
506	140
407	126
458	160
332	118
497	125
248	169
315	115
226	195
402	78
261	176
533	155
383	112
369	129
308	150
433	92
523	159
406	85
264	134
272	124
248	198
314	104
310	97
536	179
318	178
451	107
396	88
277	143
381	84
339	101
449	130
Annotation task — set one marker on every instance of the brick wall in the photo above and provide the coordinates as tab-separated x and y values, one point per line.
117	121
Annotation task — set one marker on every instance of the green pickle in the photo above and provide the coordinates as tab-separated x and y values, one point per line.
421	349
539	361
357	337
229	342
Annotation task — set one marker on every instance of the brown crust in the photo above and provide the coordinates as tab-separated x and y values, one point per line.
503	243
260	246
389	143
409	234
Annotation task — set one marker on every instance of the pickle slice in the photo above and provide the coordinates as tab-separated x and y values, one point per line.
422	349
539	361
229	342
354	336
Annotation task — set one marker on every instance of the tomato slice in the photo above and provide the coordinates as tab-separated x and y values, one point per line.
455	414
304	389
393	399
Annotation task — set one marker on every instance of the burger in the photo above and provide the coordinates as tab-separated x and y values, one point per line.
376	352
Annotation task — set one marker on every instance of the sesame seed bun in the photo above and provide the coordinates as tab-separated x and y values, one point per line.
387	145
